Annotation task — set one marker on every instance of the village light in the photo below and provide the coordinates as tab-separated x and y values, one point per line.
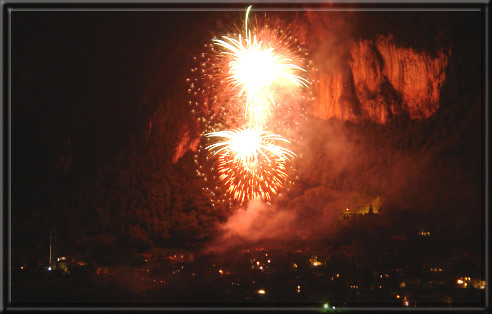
405	301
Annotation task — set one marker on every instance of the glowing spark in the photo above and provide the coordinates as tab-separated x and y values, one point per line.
258	64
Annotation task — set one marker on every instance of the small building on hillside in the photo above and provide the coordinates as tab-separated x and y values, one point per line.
369	208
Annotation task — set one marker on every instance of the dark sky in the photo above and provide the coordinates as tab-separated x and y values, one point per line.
77	79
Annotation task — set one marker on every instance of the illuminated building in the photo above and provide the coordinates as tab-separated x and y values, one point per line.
423	233
470	282
366	209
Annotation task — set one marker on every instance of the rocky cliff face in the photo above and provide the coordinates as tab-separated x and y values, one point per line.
386	80
416	76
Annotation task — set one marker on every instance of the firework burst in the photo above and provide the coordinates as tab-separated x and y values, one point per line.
258	64
251	162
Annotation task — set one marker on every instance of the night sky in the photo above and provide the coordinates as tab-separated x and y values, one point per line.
86	85
77	77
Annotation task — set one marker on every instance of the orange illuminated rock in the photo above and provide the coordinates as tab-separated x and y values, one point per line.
416	76
328	101
386	80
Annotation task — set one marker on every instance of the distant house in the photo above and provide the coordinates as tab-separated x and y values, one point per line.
181	257
423	233
66	264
